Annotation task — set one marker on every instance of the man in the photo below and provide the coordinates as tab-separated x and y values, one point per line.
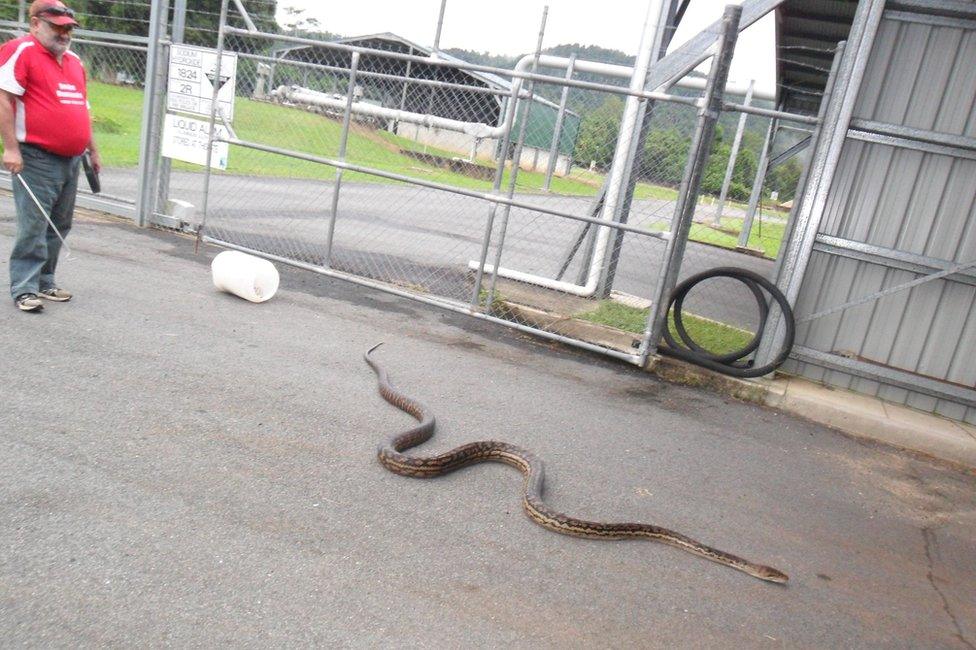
45	127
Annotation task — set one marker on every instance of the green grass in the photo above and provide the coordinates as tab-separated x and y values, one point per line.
117	115
117	112
765	236
613	314
117	119
711	335
645	191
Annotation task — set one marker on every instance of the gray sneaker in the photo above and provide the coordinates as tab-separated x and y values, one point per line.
55	294
29	302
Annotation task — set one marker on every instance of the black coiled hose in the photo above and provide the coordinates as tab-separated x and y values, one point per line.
731	363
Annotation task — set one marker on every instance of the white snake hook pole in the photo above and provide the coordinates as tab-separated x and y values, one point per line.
44	212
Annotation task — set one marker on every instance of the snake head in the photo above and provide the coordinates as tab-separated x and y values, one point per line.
770	574
370	351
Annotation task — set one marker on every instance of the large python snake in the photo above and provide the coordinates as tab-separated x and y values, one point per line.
390	454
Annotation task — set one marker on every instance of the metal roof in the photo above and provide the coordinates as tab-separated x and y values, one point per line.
807	33
487	78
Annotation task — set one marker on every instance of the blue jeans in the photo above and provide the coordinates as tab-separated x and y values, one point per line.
54	181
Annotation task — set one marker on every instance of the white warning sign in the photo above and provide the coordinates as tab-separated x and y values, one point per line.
192	77
185	138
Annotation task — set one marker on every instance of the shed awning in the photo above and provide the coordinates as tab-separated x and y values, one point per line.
807	35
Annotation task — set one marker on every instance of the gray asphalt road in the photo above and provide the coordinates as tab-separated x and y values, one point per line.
179	467
401	227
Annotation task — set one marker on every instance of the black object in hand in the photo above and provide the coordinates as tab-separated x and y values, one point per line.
90	173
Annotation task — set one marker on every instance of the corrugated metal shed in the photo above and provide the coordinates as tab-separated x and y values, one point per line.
807	34
902	204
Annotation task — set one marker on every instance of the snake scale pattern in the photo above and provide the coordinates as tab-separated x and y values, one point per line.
391	456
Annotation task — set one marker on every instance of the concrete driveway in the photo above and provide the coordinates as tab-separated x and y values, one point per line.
179	467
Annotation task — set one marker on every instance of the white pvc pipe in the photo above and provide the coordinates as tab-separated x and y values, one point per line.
531	278
628	129
621	156
626	72
301	95
619	168
246	276
698	83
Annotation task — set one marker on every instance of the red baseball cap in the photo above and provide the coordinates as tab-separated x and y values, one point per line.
53	11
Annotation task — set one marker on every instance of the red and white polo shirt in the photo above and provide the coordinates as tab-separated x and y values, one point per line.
51	106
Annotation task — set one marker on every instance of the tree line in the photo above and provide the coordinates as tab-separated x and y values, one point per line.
668	143
132	18
668	139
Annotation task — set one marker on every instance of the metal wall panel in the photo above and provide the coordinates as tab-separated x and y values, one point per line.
922	76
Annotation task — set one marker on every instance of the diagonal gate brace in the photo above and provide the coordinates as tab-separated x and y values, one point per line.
686	58
955	268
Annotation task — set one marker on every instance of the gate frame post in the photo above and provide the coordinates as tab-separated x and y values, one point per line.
177	34
343	144
154	96
836	110
701	145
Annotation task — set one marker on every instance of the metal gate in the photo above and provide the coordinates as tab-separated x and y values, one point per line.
455	184
562	197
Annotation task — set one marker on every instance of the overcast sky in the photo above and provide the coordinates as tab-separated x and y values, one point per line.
512	26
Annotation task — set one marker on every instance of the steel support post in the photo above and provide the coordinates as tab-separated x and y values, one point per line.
691	184
516	161
558	129
733	156
668	13
154	96
221	27
845	81
503	145
440	26
403	94
343	143
757	185
277	56
178	30
805	186
606	247
668	17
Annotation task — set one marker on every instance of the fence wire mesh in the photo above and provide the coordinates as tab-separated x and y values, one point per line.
441	125
433	128
430	152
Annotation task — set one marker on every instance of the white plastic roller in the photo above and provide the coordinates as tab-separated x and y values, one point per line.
247	276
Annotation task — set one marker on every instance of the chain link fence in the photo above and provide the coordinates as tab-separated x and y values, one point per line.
431	134
378	160
375	159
